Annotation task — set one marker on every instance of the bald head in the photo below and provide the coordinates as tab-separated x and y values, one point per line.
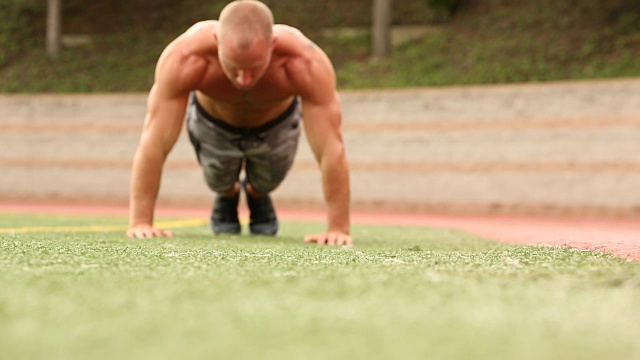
245	21
245	42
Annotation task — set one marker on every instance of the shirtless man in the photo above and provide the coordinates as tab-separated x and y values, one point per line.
243	83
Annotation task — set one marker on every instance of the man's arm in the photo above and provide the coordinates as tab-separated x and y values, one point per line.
322	128
314	78
175	76
162	127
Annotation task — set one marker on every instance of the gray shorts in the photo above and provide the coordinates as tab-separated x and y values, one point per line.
267	151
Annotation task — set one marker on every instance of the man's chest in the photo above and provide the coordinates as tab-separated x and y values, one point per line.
273	87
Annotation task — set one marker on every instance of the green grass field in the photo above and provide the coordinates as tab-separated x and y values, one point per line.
399	293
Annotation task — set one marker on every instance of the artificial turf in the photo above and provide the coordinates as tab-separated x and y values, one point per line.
398	293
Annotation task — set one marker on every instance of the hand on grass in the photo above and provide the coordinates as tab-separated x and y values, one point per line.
330	238
147	231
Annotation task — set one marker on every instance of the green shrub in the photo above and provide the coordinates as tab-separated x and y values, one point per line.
16	26
445	7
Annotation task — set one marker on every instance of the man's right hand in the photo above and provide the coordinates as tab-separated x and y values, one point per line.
147	231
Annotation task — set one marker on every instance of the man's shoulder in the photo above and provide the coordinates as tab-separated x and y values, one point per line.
292	43
187	59
307	67
286	28
285	31
198	40
288	34
205	25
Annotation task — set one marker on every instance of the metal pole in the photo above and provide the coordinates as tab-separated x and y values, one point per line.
53	27
381	37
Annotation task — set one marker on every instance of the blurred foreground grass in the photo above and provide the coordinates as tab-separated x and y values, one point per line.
400	292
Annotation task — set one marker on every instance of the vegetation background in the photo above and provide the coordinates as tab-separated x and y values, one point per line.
467	41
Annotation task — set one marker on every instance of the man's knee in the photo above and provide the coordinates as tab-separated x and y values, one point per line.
265	184
221	181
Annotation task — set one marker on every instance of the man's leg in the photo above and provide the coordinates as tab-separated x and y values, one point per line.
266	167
263	219
221	161
224	216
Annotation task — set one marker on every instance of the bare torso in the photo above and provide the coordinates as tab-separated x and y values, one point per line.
297	68
242	108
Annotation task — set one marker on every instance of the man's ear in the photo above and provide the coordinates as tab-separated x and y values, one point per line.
274	41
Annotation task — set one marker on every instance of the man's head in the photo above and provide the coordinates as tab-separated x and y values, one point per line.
245	42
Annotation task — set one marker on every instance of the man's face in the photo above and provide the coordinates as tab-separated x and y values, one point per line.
244	68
